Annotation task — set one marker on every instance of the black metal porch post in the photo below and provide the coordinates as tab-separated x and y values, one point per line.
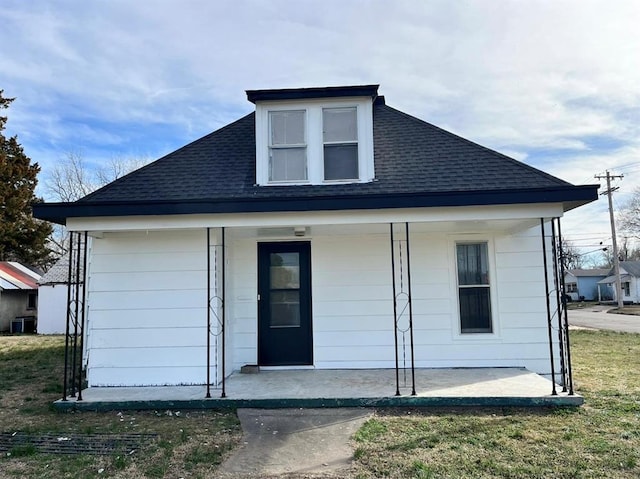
208	395
395	309
68	325
566	317
413	368
83	309
223	309
556	282
546	282
74	356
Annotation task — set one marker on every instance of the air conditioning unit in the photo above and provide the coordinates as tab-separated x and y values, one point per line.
23	324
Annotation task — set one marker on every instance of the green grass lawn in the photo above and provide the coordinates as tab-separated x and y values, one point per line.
186	443
599	440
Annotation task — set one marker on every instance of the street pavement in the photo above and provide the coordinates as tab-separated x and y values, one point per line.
596	317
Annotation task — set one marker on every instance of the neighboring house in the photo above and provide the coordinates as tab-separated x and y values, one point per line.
629	282
582	284
18	298
53	298
324	230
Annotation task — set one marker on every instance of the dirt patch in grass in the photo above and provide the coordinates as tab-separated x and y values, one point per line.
600	439
177	443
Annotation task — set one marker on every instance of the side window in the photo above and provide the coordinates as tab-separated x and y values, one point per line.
287	146
32	301
340	142
626	289
474	291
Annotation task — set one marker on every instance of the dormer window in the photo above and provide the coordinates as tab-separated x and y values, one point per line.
314	136
287	146
340	136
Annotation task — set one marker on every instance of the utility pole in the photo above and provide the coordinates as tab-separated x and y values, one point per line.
616	258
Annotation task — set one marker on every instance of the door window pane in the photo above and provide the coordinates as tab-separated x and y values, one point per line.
285	271
285	309
474	293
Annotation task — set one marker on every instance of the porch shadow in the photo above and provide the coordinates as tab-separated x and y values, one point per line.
470	387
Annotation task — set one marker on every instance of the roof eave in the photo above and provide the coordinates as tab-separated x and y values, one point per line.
571	197
308	93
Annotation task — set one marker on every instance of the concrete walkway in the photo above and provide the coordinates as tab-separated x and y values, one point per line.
294	441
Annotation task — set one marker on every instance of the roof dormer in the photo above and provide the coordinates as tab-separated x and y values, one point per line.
314	136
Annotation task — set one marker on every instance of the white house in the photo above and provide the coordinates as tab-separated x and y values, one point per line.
324	230
629	282
582	284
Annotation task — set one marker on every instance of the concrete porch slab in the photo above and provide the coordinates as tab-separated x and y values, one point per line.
472	387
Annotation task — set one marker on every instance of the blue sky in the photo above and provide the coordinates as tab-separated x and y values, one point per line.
555	84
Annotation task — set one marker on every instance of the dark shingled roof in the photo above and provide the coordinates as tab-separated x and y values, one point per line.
416	164
631	267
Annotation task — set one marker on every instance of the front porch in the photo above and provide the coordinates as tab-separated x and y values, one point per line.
446	387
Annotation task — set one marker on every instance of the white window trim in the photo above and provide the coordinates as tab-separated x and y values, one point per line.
314	138
456	326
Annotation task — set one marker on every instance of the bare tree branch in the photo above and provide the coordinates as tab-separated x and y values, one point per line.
72	178
629	215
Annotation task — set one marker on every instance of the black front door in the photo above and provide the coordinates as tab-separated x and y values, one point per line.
284	306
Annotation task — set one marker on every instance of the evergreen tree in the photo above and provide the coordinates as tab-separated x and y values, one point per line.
22	237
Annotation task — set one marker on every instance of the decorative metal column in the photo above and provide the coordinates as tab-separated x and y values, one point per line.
402	306
554	392
555	247
563	318
74	331
216	312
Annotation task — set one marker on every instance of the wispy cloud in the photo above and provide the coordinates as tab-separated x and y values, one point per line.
554	84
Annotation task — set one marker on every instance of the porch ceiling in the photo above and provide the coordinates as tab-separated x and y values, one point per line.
448	227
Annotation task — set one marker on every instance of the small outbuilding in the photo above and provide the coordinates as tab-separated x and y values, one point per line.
53	297
18	298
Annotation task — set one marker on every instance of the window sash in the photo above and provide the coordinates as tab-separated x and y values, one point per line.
287	145
474	290
339	125
340	143
288	164
287	128
340	162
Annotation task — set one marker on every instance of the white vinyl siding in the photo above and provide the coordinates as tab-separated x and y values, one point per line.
147	309
353	308
147	303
